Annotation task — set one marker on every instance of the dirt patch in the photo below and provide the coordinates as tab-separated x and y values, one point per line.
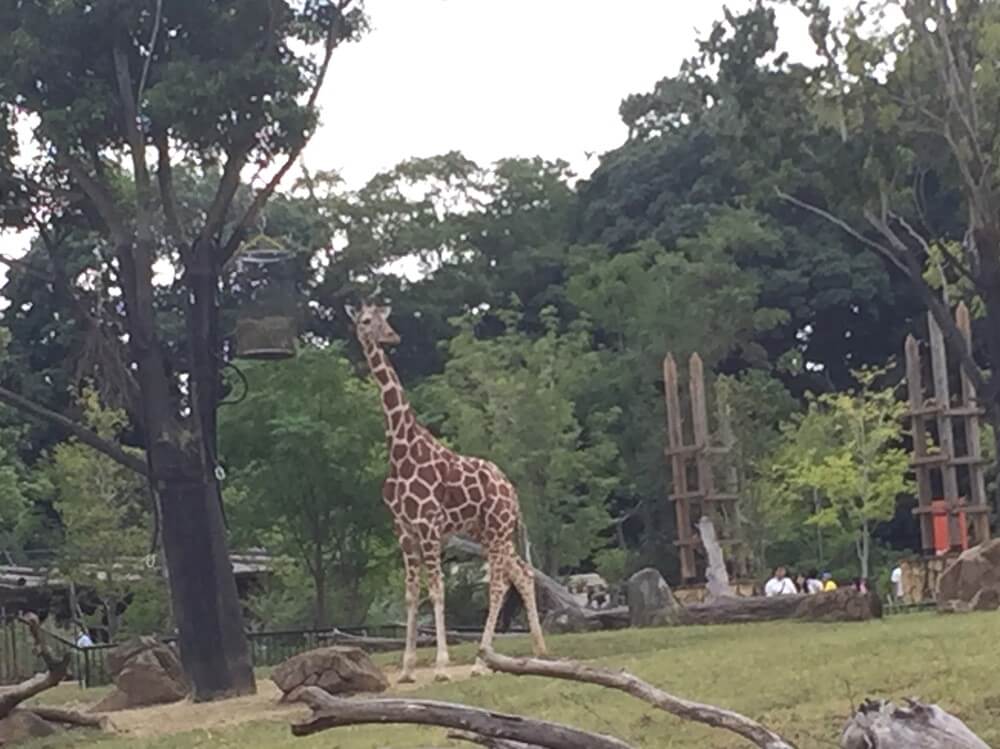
188	716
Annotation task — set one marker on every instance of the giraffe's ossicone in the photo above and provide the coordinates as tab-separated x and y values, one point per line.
434	492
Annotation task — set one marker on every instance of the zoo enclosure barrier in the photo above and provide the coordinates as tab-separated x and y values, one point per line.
89	665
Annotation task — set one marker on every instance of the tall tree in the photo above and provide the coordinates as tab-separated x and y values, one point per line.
705	151
134	89
911	89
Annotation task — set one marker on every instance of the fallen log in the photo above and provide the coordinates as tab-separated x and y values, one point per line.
717	717
384	644
18	722
845	605
12	696
69	717
917	726
331	712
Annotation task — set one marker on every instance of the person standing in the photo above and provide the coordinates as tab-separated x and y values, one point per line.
897	582
828	582
780	584
813	584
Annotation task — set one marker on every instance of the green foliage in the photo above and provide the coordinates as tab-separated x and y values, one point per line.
287	599
845	456
612	564
306	455
104	508
513	399
757	403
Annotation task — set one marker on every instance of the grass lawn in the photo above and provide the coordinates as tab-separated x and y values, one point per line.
800	679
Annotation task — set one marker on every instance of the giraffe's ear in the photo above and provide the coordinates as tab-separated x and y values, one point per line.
351	312
385	311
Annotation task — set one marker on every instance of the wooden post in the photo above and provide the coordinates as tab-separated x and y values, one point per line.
946	436
921	462
971	413
678	465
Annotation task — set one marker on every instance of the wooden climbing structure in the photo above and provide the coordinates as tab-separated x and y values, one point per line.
949	468
693	457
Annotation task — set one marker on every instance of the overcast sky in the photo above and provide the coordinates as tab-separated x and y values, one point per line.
496	78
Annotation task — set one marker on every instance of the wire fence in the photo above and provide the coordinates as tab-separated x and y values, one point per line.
89	665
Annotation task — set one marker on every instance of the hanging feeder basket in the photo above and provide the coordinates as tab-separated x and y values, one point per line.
267	325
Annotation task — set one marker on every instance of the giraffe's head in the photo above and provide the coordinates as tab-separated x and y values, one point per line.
371	323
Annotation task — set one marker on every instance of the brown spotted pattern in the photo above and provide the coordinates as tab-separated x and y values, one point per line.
433	493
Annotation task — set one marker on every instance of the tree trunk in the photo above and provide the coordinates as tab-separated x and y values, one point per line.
866	542
203	594
206	607
319	582
717	578
819	531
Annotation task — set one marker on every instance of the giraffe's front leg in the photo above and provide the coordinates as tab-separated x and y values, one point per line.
435	588
412	561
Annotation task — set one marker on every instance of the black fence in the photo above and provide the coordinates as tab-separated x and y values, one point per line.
89	665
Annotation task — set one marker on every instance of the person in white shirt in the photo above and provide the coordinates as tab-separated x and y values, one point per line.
779	585
897	582
84	641
813	583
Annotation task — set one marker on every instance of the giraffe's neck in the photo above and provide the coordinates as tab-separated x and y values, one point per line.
399	418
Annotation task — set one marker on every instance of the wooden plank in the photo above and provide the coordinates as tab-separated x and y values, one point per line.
934	459
675	439
973	448
915	388
946	435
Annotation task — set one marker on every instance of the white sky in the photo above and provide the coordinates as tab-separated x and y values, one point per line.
496	78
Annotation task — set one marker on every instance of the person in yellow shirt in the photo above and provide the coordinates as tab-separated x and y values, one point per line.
828	582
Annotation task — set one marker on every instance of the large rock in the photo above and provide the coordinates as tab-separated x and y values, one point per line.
23	725
651	603
146	672
337	670
976	570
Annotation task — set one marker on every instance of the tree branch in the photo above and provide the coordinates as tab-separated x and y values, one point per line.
333	40
130	117
168	196
884	251
82	433
623	681
332	712
99	195
942	315
901	257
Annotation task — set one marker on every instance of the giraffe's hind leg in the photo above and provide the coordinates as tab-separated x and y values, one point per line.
523	578
499	583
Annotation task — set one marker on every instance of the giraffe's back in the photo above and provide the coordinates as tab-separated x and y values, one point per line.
431	486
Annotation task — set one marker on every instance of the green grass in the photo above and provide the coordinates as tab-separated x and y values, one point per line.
800	679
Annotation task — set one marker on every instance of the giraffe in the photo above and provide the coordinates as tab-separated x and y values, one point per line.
433	493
